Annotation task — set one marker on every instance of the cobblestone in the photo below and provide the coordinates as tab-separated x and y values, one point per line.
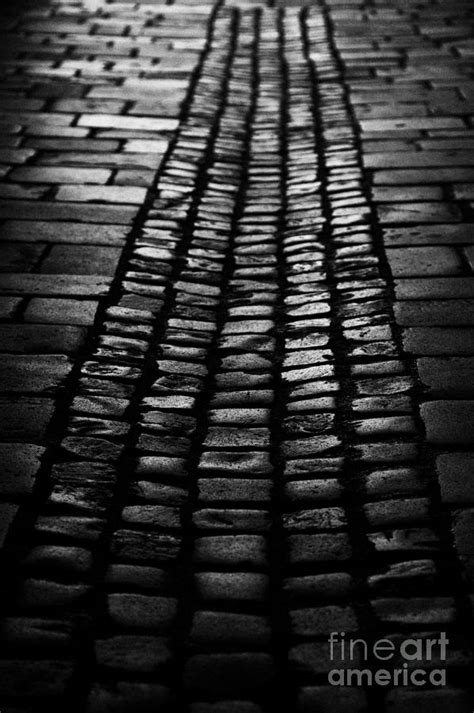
448	422
133	654
446	377
25	419
236	301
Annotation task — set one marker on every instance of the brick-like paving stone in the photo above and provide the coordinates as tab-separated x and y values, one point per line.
236	353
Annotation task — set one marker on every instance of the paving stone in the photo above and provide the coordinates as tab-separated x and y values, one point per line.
135	547
412	212
224	586
99	406
237	437
21	257
9	307
209	627
72	144
439	341
228	674
140	611
80	260
134	177
435	288
309	659
234	490
420	574
61	311
336	585
43	594
443	313
154	515
423	261
172	423
462	529
397	540
449	377
58	559
63	232
308	423
318	548
41	679
149	492
20	468
236	550
132	654
420	158
409	700
395	481
46	174
36	373
127	122
408	176
231	519
449	422
388	385
257	397
121	695
8	512
102	194
445	234
320	519
387	452
59	285
96	449
236	416
376	427
378	368
322	620
417	610
71	527
154	467
230	462
25	419
75	212
348	699
383	125
16	156
406	193
456	477
313	490
408	511
37	634
144	578
463	191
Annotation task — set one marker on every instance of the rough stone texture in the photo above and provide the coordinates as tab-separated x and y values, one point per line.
61	311
236	304
449	422
33	374
26	418
140	611
142	654
41	339
20	464
123	696
447	377
456	477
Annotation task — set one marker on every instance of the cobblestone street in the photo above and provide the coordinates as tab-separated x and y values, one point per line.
237	394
